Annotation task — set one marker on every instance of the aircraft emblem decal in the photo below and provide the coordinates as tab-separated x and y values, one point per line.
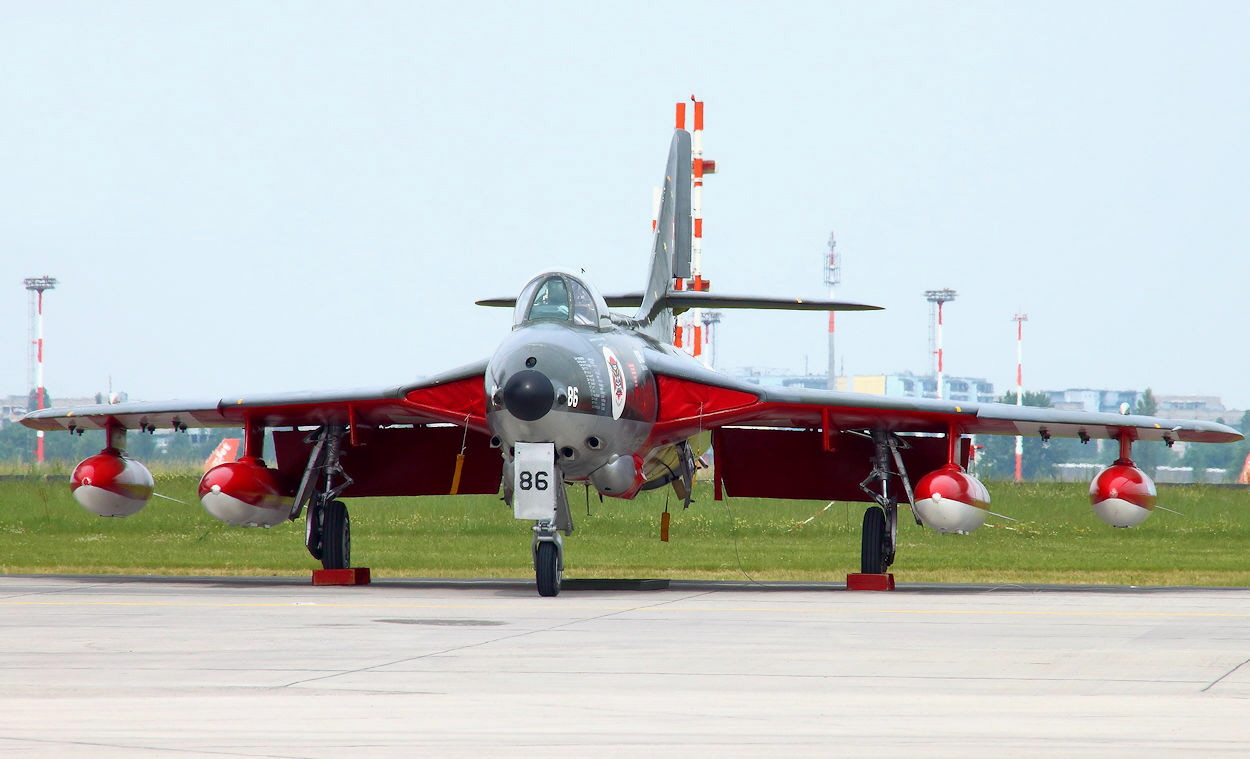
618	382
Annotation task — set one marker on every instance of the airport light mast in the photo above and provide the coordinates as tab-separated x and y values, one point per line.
937	298
833	276
1020	318
36	286
711	321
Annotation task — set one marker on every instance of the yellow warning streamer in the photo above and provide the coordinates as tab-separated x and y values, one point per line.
455	477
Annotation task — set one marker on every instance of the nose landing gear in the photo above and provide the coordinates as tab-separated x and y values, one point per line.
548	559
538	495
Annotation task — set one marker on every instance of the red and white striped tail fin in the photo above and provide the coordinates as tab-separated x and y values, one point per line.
225	452
688	333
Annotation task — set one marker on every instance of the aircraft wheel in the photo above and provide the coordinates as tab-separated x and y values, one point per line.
336	542
872	559
547	568
314	537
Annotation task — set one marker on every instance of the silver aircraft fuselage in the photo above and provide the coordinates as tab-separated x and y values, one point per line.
587	391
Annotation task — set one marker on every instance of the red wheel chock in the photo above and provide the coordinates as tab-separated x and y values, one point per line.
354	576
870	582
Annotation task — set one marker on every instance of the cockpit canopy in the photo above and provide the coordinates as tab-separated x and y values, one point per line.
556	296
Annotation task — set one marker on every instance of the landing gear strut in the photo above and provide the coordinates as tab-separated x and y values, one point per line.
328	536
880	535
549	545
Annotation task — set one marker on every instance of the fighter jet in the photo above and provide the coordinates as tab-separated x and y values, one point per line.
581	391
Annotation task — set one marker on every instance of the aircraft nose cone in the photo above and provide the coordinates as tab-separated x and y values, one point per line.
528	395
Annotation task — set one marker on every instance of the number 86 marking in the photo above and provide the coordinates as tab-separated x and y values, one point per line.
532	480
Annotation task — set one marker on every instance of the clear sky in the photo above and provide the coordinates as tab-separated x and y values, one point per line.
247	196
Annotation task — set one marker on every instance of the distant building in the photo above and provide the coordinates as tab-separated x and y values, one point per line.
1207	408
771	377
1085	399
12	408
1185	475
904	385
1076	472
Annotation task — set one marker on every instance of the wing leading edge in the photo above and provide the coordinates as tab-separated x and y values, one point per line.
694	398
456	397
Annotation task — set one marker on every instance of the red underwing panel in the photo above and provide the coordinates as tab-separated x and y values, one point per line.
687	407
681	399
402	461
780	463
454	401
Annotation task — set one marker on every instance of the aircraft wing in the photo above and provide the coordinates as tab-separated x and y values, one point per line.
456	397
693	398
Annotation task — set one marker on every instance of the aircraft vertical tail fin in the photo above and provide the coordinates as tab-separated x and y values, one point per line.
670	248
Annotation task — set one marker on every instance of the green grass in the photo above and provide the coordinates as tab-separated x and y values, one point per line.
42	530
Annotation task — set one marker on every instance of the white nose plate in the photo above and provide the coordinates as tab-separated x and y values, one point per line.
534	484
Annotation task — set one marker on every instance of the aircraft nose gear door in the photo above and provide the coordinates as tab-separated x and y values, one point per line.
538	494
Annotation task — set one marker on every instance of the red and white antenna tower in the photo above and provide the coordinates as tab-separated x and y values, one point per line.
833	277
34	373
1020	318
937	298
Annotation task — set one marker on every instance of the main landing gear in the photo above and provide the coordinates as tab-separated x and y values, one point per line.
328	534
880	531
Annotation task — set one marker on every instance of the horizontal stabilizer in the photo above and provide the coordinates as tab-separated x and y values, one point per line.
682	300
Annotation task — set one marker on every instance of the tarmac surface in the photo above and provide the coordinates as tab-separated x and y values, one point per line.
134	667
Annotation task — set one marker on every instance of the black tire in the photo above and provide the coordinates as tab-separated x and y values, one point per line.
872	550
315	531
547	568
336	542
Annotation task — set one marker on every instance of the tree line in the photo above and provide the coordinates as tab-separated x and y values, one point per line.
17	446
